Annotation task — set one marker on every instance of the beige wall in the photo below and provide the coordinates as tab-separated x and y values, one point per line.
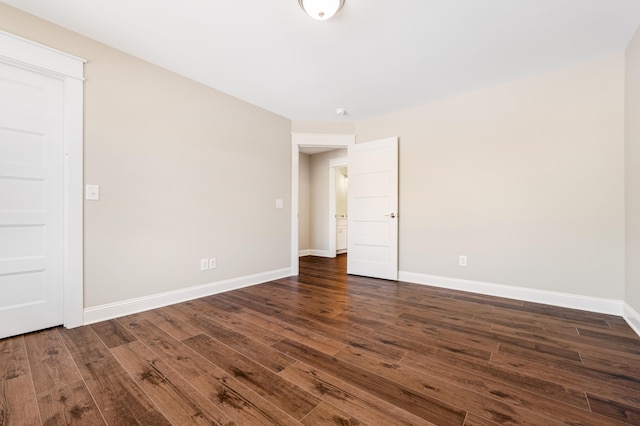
186	172
320	198
304	202
526	179
632	156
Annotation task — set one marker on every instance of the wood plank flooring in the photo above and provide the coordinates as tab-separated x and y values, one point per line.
325	348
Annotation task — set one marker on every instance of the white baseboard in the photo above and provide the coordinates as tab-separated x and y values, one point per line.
140	304
566	300
312	252
632	317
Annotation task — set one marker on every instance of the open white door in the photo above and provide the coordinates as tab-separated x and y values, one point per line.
373	209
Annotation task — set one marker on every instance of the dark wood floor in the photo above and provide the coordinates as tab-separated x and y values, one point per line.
325	348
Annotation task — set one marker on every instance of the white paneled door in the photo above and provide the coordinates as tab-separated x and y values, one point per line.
373	209
31	200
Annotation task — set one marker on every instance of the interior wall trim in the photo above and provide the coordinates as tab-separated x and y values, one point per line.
565	300
632	317
140	304
313	252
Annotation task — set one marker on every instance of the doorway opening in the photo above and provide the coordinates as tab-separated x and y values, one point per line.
338	196
303	140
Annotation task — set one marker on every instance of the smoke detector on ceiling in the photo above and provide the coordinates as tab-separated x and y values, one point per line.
341	111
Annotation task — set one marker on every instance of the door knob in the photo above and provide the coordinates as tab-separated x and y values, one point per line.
392	215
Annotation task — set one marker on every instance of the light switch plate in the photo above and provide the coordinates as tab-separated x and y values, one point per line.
92	192
279	203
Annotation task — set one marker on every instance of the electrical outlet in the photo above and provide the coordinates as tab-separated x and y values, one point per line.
462	260
212	263
204	264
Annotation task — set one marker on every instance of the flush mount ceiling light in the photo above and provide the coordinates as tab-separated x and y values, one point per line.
321	9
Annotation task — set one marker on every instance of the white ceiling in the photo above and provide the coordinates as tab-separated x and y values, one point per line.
374	57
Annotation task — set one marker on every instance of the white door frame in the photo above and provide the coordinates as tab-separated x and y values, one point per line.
21	53
334	163
307	140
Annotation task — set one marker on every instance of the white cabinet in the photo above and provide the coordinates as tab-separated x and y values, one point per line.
341	234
